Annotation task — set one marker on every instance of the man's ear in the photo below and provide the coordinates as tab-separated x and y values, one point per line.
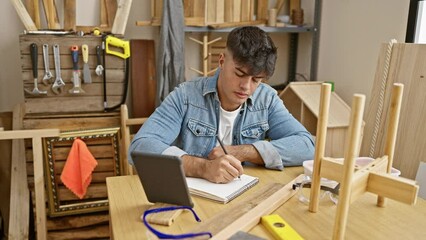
221	59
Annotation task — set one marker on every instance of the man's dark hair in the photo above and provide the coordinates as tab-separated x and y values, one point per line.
251	47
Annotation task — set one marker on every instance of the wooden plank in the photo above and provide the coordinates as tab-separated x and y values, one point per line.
6	121
111	10
236	24
121	17
262	10
245	10
78	221
22	134
143	77
406	65
236	11
33	9
220	11
40	201
94	191
396	188
51	13
93	89
210	11
247	214
76	124
199	9
104	16
95	232
188	8
69	104
228	11
23	15
19	195
70	15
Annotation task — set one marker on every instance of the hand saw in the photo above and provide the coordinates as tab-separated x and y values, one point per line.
120	48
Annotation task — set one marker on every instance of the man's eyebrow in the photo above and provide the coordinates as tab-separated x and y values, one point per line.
239	69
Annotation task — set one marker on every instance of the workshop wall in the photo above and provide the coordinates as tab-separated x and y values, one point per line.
351	34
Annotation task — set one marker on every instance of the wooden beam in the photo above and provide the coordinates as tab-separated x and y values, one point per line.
19	215
236	24
18	178
22	134
396	188
69	15
246	214
23	15
121	17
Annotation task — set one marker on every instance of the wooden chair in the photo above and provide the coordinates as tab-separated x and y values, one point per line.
374	177
126	137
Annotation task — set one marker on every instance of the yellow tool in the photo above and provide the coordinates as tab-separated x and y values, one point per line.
279	228
117	43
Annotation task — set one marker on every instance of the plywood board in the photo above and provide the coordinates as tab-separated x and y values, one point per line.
407	66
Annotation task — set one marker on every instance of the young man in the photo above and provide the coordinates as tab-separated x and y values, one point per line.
235	106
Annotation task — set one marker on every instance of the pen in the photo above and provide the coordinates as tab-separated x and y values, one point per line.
223	148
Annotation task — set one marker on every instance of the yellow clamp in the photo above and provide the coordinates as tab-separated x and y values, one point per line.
117	43
279	228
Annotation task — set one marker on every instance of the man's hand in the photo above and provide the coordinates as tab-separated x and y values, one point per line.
222	169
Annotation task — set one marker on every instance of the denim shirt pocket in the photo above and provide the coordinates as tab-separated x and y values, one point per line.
255	131
201	129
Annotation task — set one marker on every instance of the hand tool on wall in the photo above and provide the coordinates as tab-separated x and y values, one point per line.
75	72
58	85
86	71
47	73
34	52
117	43
99	68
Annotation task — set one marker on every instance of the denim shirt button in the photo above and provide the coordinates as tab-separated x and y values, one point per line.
197	131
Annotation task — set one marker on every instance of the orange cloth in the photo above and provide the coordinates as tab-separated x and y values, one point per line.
77	172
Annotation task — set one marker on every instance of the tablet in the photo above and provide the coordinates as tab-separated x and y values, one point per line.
162	178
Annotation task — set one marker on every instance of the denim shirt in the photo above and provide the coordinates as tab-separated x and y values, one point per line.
188	120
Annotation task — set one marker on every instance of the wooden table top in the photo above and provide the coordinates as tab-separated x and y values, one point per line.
127	203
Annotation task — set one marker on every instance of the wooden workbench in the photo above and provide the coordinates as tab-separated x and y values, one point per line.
366	220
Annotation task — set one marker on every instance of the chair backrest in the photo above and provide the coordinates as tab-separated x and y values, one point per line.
126	137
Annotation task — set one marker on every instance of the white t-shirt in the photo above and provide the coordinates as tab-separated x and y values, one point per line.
226	124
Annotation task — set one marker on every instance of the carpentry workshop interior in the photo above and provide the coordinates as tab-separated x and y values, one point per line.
79	78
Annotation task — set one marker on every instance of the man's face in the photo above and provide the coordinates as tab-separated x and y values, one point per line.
235	85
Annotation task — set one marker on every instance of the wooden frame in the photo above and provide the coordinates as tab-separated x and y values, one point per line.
60	203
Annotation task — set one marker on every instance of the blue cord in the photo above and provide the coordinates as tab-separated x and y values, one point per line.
171	236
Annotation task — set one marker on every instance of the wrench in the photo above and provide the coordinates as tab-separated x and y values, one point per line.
47	73
58	85
99	68
34	52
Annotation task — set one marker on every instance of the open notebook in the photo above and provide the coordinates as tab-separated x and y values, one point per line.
223	193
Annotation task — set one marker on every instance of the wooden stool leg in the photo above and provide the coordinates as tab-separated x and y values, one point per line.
392	130
320	145
349	165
